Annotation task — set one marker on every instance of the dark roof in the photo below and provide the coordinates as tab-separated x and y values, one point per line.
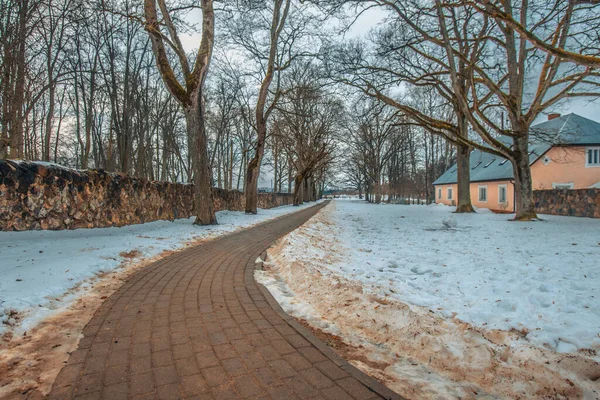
570	129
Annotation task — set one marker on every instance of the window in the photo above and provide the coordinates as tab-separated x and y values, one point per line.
501	193
477	165
449	193
560	186
592	158
483	194
490	163
503	162
439	193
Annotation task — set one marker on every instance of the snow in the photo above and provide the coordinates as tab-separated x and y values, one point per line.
39	268
446	305
539	277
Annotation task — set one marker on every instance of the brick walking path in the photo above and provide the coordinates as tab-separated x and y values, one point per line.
196	325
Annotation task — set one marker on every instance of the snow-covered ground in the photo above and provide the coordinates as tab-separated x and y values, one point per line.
452	304
38	268
541	277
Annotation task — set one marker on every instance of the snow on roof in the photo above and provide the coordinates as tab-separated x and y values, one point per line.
570	129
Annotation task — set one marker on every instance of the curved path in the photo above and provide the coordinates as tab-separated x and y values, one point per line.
196	325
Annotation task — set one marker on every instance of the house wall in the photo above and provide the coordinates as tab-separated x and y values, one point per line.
40	196
492	195
444	199
567	165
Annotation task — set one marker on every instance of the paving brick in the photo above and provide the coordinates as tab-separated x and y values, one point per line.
336	393
89	383
165	375
355	389
225	351
117	374
234	367
215	376
119	391
168	392
194	385
301	388
253	360
182	351
68	375
297	361
247	387
282	368
206	359
187	366
141	364
141	383
316	378
331	370
162	358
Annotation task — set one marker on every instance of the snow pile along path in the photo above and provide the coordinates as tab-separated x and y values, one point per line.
43	271
438	305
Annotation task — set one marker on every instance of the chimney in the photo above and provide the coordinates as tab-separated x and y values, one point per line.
553	116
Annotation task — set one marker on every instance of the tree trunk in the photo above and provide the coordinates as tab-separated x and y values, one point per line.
251	192
298	183
253	171
525	206
463	168
377	188
203	199
49	120
463	179
16	118
306	189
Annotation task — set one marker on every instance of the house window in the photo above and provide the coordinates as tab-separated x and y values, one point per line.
483	194
449	193
560	186
592	158
439	193
501	193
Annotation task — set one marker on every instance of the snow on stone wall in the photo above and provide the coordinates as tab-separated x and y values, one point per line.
574	203
37	195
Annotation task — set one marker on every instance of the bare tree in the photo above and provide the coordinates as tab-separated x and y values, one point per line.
189	94
17	20
310	123
578	18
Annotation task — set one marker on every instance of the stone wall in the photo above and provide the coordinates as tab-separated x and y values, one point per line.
47	196
574	203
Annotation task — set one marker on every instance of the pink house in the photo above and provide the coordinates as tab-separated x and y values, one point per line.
564	154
